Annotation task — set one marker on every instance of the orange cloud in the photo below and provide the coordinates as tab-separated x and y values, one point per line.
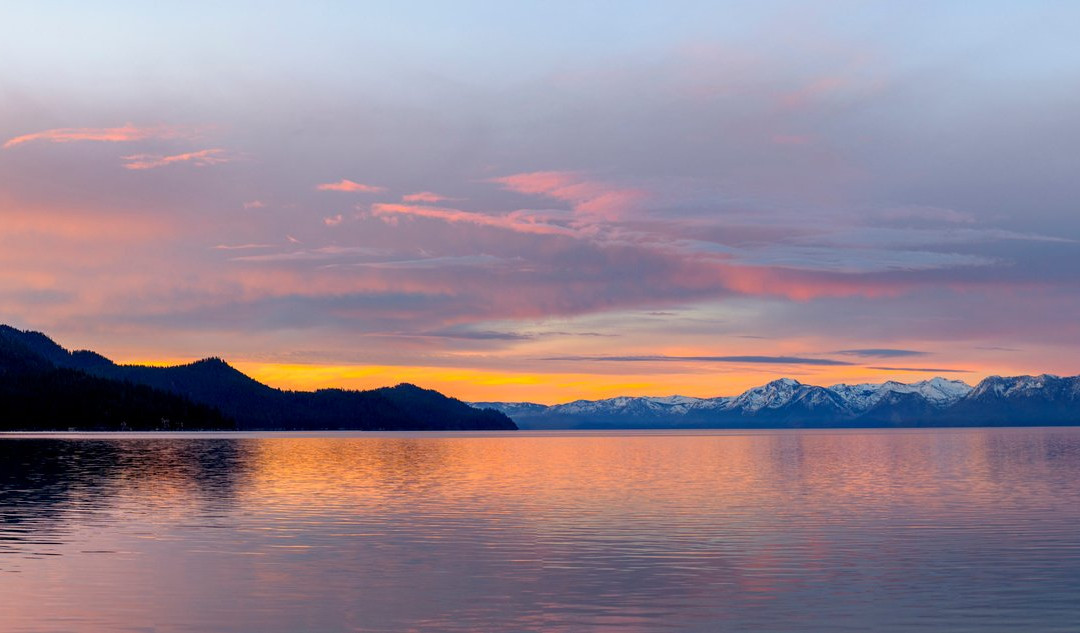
586	197
350	186
518	221
123	134
201	158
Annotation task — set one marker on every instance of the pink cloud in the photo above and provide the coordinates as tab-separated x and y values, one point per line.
123	134
424	196
553	183
518	221
201	158
587	197
333	220
254	204
236	247
350	187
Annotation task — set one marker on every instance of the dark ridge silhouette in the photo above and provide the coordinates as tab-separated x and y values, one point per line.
423	404
44	386
37	394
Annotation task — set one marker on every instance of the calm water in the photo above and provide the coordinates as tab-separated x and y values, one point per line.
958	530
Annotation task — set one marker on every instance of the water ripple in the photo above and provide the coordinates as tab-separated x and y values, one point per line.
960	530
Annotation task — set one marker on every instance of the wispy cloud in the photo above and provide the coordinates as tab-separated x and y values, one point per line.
587	197
934	370
317	254
934	215
349	186
437	263
881	352
519	221
123	134
201	158
476	335
766	360
240	247
424	196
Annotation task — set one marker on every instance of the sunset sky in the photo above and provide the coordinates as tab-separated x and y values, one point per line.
547	200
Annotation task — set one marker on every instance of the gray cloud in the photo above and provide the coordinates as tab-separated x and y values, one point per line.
881	352
478	335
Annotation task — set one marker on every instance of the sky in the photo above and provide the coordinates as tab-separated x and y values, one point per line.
547	201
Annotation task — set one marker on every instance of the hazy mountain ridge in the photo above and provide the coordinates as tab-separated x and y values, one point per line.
45	386
1015	400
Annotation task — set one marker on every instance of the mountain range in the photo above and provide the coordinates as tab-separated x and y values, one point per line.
43	386
787	403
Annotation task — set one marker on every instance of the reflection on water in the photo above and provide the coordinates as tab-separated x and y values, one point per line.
965	530
49	488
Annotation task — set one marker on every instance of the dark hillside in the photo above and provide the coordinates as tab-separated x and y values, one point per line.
42	385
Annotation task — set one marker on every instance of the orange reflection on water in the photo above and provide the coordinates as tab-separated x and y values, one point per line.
770	530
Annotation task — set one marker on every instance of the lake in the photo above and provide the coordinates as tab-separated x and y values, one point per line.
884	530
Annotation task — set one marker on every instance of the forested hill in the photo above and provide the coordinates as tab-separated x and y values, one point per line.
37	394
44	386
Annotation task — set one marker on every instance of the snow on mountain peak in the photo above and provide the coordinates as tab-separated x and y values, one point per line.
1012	385
768	396
786	399
938	391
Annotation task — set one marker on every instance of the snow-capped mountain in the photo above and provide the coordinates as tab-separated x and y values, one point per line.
671	405
1042	399
773	395
939	392
512	409
1014	386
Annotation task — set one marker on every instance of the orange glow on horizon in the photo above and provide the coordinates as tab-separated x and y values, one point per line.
481	385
